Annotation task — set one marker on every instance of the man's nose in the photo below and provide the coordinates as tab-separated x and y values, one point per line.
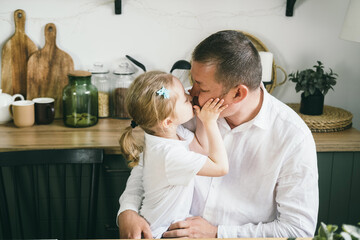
194	93
195	90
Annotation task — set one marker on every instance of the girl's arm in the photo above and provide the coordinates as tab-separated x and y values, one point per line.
200	143
217	163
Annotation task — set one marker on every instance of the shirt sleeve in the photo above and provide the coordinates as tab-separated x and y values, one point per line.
297	199
185	133
131	198
182	165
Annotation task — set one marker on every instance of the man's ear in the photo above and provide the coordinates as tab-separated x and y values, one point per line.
240	92
166	123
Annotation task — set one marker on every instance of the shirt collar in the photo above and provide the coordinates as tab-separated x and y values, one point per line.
262	118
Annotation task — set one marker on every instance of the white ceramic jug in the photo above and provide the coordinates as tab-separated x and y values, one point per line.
5	101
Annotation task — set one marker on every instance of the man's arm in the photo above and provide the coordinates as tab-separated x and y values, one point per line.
131	224
296	199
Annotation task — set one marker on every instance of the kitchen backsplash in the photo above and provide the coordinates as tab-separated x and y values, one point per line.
160	32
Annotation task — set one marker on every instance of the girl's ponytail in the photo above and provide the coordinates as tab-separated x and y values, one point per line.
129	148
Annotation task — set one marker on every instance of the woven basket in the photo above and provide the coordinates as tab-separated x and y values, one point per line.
260	46
333	119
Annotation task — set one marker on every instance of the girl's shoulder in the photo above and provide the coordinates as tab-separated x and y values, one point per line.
185	133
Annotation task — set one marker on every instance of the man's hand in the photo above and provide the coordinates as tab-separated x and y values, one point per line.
192	227
133	226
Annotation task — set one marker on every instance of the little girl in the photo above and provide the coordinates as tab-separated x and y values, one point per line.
157	103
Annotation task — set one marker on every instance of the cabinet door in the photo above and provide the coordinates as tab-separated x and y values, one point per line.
48	193
339	188
113	178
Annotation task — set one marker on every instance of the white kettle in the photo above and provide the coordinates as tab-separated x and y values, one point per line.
5	101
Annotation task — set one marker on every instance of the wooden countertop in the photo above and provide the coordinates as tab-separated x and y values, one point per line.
105	135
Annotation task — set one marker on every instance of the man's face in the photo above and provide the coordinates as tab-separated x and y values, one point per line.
205	86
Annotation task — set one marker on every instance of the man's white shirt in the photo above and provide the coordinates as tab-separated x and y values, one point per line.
271	189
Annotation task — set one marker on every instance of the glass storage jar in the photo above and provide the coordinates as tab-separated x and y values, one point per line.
80	101
123	77
100	79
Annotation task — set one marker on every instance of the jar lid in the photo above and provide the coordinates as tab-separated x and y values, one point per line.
124	69
79	73
98	68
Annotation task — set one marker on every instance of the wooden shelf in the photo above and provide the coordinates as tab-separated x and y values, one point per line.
105	135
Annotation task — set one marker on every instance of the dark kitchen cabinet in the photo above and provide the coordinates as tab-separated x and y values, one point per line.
339	191
49	193
339	187
113	177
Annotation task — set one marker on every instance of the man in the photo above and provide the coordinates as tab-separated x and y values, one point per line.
271	189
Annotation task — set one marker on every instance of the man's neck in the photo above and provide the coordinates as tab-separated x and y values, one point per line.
248	109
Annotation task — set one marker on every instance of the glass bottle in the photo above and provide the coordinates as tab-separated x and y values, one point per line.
123	77
80	101
100	79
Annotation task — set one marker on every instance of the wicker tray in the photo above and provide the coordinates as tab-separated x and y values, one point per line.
333	119
260	46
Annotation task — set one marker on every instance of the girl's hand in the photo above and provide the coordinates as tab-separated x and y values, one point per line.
211	110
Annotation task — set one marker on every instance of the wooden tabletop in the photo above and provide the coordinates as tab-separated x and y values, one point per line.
105	135
343	141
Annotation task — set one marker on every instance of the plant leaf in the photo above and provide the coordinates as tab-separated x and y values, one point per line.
332	228
309	80
346	236
352	230
323	231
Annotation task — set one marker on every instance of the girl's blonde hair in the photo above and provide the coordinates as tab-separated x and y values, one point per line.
146	108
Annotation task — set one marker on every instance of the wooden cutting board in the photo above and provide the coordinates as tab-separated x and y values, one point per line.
47	70
14	57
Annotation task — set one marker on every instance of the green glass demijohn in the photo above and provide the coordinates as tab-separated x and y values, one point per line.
80	101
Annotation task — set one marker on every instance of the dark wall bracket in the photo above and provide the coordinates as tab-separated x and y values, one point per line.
290	8
117	6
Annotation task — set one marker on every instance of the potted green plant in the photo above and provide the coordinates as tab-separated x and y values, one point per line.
314	83
331	232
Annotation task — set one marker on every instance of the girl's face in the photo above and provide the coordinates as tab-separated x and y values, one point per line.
183	107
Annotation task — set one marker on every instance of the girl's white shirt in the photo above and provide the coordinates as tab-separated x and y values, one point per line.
169	169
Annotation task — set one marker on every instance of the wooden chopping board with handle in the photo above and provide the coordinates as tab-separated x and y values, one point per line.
14	57
47	71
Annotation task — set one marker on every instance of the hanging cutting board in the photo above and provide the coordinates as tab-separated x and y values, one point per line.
47	70
14	57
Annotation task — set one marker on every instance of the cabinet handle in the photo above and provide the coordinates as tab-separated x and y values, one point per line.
108	228
109	170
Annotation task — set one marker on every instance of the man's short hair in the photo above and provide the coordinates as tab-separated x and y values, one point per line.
236	58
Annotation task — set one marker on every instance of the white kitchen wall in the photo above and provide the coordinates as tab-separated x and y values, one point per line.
160	32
